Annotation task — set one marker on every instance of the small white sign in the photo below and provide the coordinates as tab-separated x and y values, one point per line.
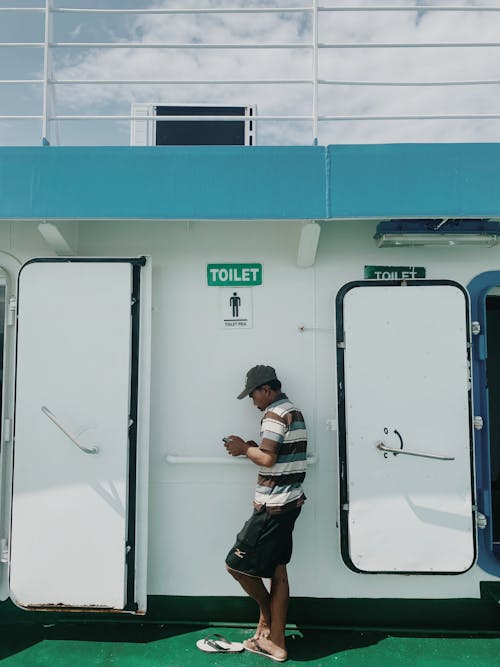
236	307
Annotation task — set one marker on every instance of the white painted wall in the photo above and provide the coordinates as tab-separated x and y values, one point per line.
198	369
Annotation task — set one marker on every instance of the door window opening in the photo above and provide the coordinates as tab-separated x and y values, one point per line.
484	292
493	383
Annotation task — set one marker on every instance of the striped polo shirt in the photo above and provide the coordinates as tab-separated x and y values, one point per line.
282	431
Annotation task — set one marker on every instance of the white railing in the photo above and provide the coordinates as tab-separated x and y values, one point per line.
50	116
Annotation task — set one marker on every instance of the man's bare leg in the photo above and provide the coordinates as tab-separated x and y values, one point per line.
263	628
255	588
278	603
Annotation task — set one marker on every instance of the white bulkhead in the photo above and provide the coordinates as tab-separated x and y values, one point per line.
411	519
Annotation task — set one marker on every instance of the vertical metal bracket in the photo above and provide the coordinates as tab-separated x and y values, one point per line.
4	550
7	430
11	312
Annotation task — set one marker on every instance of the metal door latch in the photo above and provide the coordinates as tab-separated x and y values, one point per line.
425	455
478	423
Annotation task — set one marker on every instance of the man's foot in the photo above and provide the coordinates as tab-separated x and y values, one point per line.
266	648
263	629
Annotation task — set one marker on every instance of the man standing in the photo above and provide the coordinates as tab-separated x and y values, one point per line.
264	545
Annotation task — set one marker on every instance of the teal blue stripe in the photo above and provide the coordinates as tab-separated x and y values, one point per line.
295	426
286	458
288	182
157	182
453	180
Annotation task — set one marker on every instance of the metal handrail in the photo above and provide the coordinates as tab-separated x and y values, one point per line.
313	10
277	10
177	82
259	10
180	45
450	116
19	117
404	45
257	45
28	10
21	81
94	449
180	10
23	44
411	8
246	82
464	82
167	119
341	118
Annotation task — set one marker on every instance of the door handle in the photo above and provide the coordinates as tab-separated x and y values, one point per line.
88	450
424	455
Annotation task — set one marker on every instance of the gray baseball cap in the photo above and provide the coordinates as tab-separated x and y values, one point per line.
257	376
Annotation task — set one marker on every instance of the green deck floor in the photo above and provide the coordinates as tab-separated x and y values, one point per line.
114	645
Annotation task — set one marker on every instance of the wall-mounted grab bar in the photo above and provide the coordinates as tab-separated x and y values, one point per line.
173	458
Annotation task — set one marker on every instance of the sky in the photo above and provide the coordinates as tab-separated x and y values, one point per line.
344	65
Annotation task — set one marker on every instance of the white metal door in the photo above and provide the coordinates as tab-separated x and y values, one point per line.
74	537
405	386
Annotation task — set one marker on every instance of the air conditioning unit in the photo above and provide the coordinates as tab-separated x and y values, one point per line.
192	131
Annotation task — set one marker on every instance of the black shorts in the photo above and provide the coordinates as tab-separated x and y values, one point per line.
264	542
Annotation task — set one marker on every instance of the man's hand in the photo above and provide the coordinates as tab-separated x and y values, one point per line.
235	445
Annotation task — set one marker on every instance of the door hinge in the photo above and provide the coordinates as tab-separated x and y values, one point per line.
4	550
11	313
7	430
475	328
478	423
481	520
341	344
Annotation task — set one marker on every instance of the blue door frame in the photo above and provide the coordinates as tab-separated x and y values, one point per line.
478	289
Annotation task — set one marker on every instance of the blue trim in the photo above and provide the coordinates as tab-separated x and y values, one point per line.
478	289
205	182
415	180
250	182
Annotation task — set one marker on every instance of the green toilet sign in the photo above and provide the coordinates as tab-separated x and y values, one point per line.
234	275
394	272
